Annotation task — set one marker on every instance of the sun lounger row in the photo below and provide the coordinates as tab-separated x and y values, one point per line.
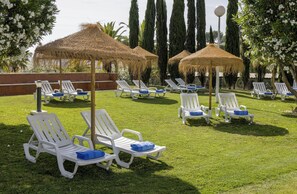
51	137
191	109
182	87
281	89
68	91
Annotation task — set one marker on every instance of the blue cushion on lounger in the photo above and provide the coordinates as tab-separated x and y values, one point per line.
58	94
82	93
289	94
241	112
160	91
191	87
196	113
142	146
268	93
91	154
143	91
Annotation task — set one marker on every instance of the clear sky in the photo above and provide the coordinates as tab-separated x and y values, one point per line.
75	12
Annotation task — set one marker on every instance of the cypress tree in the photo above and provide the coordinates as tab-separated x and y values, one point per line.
162	48
134	29
148	35
211	39
246	62
177	34
190	38
201	23
232	38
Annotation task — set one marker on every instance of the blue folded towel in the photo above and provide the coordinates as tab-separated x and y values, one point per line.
58	94
196	113
268	93
91	154
160	91
82	93
142	146
241	112
191	87
143	91
289	94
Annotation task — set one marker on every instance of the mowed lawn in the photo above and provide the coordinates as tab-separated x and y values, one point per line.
221	157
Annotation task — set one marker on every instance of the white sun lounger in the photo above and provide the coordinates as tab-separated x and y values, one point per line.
152	90
261	91
72	93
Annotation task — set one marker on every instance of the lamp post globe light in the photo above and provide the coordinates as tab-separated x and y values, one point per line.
219	11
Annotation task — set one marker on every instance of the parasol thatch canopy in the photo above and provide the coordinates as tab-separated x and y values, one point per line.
150	57
91	43
177	58
211	55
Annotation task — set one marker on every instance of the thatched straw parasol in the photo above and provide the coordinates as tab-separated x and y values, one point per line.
91	43
210	57
178	57
150	58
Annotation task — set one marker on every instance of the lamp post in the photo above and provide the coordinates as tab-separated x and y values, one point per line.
219	11
38	91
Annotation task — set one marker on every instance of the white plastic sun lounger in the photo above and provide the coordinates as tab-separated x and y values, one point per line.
172	87
105	127
48	93
69	89
261	91
282	90
152	90
123	87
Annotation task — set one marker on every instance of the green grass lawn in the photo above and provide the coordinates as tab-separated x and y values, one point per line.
221	157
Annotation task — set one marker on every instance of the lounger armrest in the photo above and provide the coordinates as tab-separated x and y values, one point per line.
269	90
81	139
256	91
50	144
204	108
108	138
56	90
133	132
79	90
242	106
223	108
66	91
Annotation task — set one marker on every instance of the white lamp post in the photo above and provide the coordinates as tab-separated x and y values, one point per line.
219	11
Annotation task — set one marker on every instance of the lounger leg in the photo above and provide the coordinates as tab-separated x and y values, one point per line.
158	155
64	172
28	156
105	166
122	163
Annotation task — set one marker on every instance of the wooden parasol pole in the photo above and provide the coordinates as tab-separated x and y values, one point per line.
139	85
60	61
210	85
93	105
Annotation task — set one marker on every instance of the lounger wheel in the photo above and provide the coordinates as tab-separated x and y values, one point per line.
86	97
272	96
47	99
217	112
71	98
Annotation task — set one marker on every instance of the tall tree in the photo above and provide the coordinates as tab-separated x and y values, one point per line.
232	39
162	48
148	35
211	41
190	37
134	29
201	23
246	61
177	34
211	38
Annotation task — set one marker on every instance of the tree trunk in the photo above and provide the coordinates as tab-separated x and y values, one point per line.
285	80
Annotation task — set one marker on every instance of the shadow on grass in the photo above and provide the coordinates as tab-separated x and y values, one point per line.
242	127
157	100
18	175
78	103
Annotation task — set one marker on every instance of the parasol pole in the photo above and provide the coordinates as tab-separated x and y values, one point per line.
210	85
60	63
139	85
93	105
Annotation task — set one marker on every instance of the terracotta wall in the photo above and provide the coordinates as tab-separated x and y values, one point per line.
18	84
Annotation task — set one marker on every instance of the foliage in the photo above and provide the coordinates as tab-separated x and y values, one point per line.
115	33
198	158
161	34
215	36
232	39
201	23
9	64
22	24
270	29
177	34
211	38
141	30
191	21
133	24
148	35
246	62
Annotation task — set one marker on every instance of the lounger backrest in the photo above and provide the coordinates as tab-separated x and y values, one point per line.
180	81
46	87
189	101
123	84
68	86
48	128
260	86
142	85
103	123
281	88
229	100
171	84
